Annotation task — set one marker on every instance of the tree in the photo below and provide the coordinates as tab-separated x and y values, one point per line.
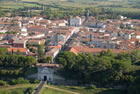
41	53
49	59
135	56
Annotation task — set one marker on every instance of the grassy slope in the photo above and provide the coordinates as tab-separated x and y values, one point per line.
14	88
46	90
81	90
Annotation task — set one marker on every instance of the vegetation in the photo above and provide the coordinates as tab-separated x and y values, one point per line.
3	83
64	9
18	89
105	69
16	60
14	65
19	81
81	90
46	90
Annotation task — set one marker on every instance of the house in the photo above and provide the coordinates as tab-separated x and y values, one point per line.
3	42
53	52
3	31
17	42
60	22
85	49
36	41
37	35
21	50
76	21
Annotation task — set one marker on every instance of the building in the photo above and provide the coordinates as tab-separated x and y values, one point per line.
47	72
16	50
18	43
76	21
36	41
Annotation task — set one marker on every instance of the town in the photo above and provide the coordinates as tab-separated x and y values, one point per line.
78	35
44	39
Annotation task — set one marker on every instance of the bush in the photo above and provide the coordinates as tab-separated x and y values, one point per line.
92	87
3	83
36	81
48	83
20	81
17	92
29	90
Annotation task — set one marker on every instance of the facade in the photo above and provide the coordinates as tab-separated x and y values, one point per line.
19	43
47	72
77	21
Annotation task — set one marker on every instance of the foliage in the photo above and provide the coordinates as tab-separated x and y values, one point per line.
102	69
3	83
92	87
19	81
36	81
16	60
28	90
41	52
17	89
47	59
3	51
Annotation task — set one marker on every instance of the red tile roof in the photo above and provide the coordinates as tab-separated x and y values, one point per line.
22	50
77	50
47	65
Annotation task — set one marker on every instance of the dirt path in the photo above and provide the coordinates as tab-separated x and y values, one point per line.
72	92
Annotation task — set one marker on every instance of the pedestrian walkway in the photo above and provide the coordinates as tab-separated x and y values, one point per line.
42	83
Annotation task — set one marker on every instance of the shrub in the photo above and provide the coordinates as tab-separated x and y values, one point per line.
20	81
17	92
3	83
36	81
29	90
92	87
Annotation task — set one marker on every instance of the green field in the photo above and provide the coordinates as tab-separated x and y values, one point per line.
16	89
80	90
122	4
46	90
121	7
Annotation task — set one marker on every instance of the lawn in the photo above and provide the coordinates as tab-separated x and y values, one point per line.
84	90
16	89
46	90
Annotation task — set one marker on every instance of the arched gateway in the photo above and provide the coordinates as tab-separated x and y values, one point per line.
47	72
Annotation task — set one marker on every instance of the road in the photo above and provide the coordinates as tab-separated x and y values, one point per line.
42	83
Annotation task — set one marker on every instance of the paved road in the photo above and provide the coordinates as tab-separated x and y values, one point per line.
42	83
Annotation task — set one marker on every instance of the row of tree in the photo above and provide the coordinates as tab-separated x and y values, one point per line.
16	60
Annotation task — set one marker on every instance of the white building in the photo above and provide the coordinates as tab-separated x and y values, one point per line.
3	31
47	72
76	21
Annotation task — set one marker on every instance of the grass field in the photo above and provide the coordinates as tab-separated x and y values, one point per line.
20	89
81	90
46	90
16	89
115	4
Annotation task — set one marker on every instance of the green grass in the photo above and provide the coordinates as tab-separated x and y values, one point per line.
84	90
126	6
16	89
46	90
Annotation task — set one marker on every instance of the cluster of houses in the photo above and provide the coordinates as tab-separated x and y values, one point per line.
119	35
20	34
